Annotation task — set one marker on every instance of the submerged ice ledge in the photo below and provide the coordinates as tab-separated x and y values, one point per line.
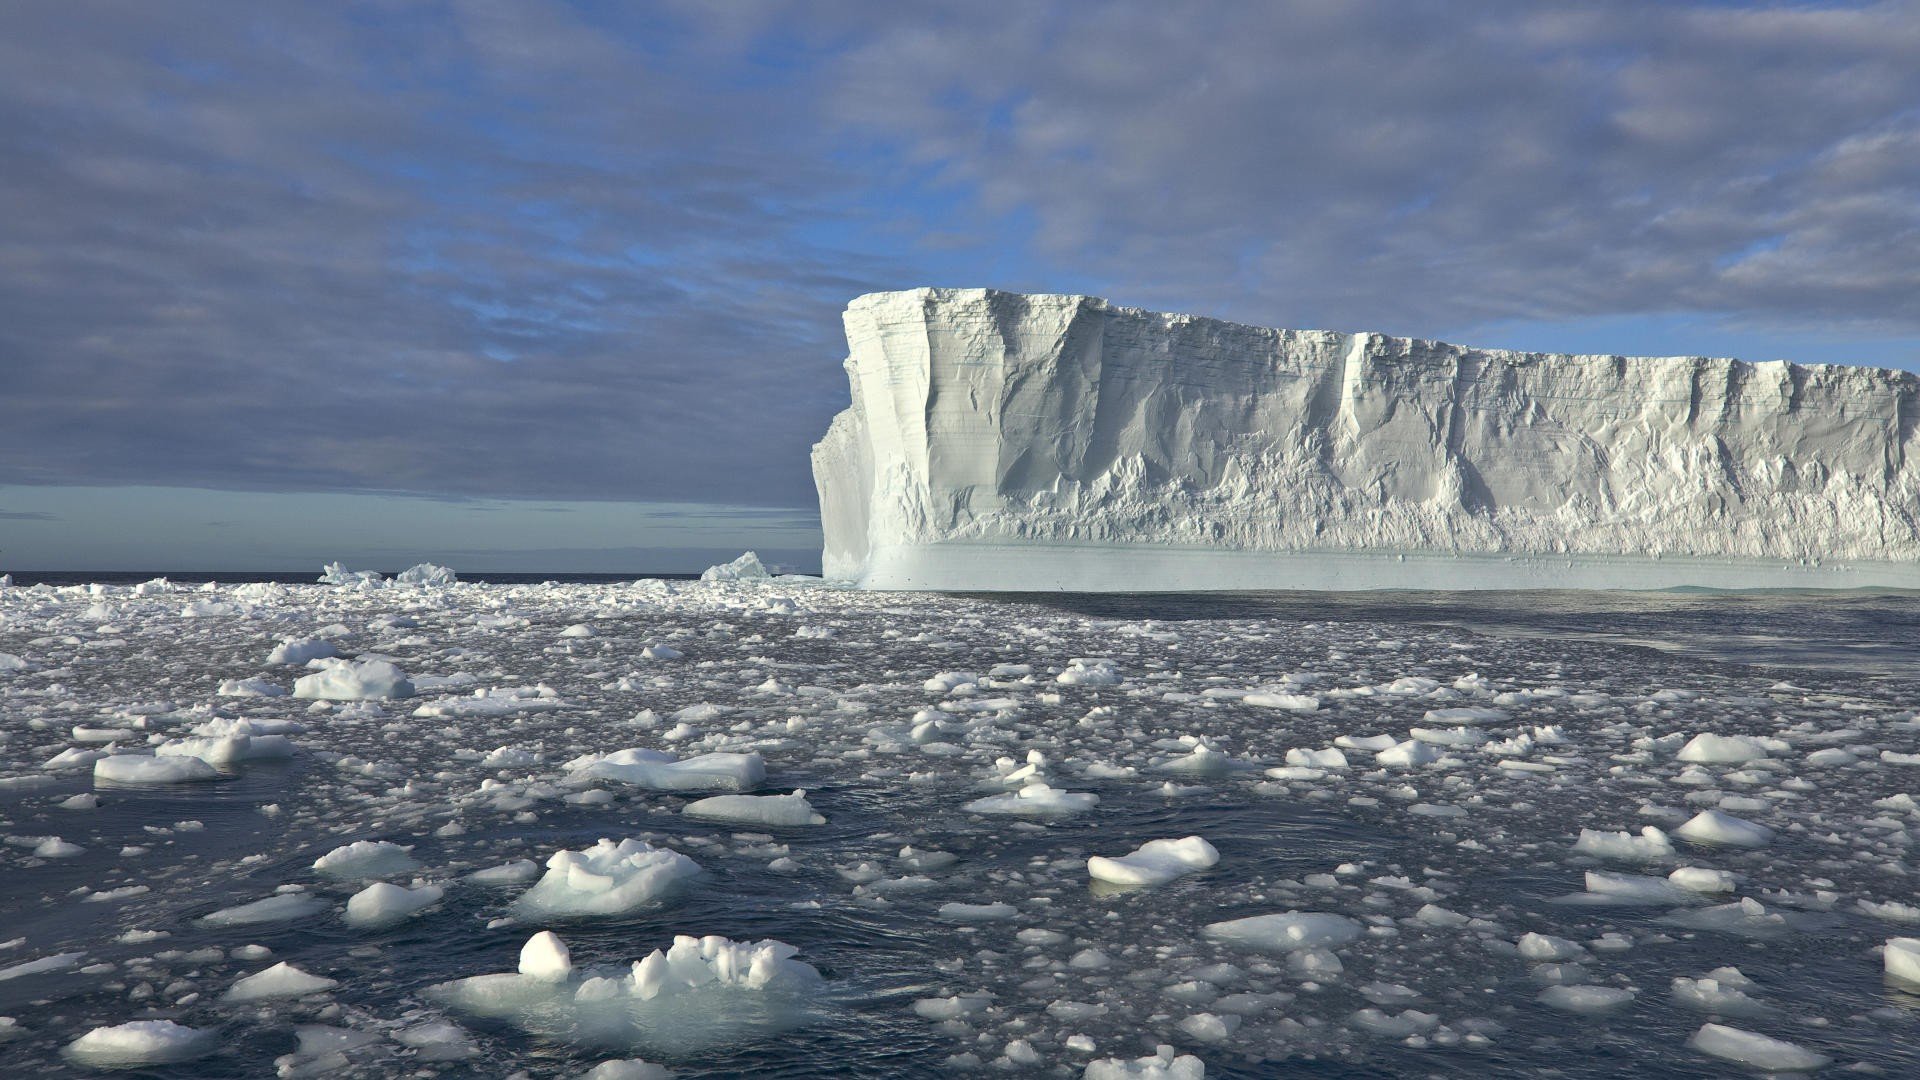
1005	441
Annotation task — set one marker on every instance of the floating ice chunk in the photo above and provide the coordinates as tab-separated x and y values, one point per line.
1757	1051
658	771
1466	715
605	879
1285	931
141	769
366	859
546	958
1290	702
948	681
335	573
301	650
437	1041
1586	1000
1637	889
285	907
700	994
1202	761
1163	1065
282	980
1088	671
510	873
222	726
973	913
10	662
951	1008
140	1042
1539	947
768	810
1330	758
1649	845
1721	992
1208	1027
227	749
627	1069
1715	827
1410	754
1372	744
1410	1022
1901	959
1155	862
42	965
427	575
384	904
1035	800
251	688
1709	749
578	630
1702	880
745	568
343	680
661	652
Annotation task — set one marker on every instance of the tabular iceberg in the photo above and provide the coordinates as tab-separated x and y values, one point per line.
1000	441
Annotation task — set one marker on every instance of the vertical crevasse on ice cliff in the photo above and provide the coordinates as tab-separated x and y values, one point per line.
990	418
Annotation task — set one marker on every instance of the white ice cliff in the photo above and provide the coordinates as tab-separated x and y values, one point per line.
1007	441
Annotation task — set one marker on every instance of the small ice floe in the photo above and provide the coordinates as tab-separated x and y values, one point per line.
1285	931
661	652
1162	1065
227	749
1716	827
1699	879
508	873
627	1069
144	769
698	995
1761	1052
42	965
141	1042
1722	992
1709	749
1201	762
958	912
1901	959
427	575
284	907
659	771
605	879
1586	1000
1277	700
1408	755
282	980
364	859
251	688
300	651
1035	800
1155	862
353	680
1088	671
1619	890
773	811
545	957
335	573
1650	844
383	904
579	630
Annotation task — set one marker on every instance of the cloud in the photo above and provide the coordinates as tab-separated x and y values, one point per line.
537	250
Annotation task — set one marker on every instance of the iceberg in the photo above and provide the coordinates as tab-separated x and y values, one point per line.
1000	441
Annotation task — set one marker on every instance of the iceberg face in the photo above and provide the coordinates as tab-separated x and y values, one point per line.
1006	441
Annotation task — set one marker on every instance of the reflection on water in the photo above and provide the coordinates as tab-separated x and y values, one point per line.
1874	632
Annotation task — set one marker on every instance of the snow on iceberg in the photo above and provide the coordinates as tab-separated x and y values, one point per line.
770	810
658	771
1155	862
141	1042
1006	441
698	995
605	879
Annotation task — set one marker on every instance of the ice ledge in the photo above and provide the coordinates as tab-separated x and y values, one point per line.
960	567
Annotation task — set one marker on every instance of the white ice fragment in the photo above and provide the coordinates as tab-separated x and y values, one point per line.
658	771
973	913
227	749
1276	700
1285	931
1035	800
606	879
1162	1065
1702	880
1649	845
627	1069
1409	754
426	575
545	957
142	769
1756	1051
772	811
1155	862
140	1042
282	980
745	568
1709	749
1586	1000
343	680
299	651
366	859
1716	827
285	907
384	904
1901	959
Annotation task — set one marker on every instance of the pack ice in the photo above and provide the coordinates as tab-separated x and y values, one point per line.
999	441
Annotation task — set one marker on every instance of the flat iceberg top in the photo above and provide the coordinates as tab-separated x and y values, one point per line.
1001	440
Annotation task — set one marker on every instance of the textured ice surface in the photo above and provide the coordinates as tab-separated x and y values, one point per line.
282	980
141	1042
1002	441
1155	862
1514	899
605	879
351	680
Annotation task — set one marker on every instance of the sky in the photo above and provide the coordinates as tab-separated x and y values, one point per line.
556	286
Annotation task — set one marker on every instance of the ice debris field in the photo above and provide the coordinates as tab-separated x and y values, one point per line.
753	826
